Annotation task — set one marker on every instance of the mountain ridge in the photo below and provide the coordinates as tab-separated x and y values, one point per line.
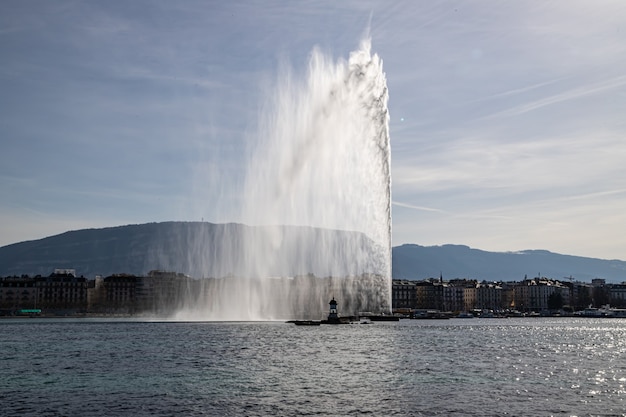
138	248
199	249
461	261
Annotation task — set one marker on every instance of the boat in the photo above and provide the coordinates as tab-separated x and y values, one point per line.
603	311
368	315
383	317
430	315
306	322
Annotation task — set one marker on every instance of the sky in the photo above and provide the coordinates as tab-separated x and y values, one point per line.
507	119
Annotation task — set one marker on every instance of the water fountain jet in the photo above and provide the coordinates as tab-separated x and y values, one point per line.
318	189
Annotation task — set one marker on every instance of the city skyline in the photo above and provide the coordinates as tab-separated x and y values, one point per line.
506	120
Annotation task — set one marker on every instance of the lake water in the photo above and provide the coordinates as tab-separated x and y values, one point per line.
471	367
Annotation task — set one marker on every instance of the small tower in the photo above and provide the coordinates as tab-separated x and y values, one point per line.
332	314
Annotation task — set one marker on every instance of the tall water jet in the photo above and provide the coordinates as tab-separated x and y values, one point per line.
318	193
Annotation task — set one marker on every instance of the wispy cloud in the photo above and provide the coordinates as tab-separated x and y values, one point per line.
572	94
515	91
414	207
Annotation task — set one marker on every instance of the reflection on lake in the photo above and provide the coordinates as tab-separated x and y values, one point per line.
559	366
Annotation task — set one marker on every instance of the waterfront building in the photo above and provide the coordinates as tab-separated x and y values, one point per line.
403	294
95	293
62	291
469	297
158	292
508	294
598	282
466	295
18	293
617	294
533	294
460	291
580	294
120	293
488	296
602	293
163	292
453	297
429	294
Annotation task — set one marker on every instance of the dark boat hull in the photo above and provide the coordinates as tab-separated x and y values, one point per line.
384	318
306	322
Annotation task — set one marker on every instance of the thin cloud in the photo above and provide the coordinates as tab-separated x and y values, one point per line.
515	91
414	207
573	94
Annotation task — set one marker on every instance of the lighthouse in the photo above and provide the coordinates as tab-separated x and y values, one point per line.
332	314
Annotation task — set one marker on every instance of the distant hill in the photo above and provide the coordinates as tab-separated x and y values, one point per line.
199	249
202	249
458	261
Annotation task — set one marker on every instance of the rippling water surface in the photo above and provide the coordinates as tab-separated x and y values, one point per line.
472	367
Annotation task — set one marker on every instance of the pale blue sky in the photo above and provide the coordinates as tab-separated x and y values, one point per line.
508	125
